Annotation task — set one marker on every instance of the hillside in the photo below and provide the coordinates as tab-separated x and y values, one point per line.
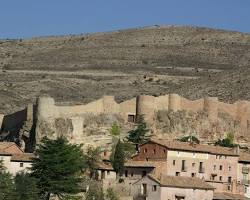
154	60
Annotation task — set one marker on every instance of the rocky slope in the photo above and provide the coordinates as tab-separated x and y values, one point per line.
155	60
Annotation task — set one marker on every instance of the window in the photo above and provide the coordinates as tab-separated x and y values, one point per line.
132	174
193	164
145	150
177	173
183	167
229	187
131	118
154	151
229	179
220	157
201	168
173	162
220	178
214	167
193	175
220	167
179	197
245	189
164	150
216	156
144	189
229	168
126	173
154	188
21	164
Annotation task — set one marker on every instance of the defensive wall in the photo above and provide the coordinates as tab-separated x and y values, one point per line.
47	110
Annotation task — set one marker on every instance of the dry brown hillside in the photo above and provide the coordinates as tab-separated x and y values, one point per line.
155	60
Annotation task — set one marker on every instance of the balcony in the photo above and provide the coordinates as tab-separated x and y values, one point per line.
201	170
184	169
245	182
245	170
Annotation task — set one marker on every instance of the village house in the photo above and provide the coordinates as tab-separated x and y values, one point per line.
172	188
14	159
243	172
216	165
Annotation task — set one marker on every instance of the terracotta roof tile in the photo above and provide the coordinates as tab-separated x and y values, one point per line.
131	163
181	182
25	157
228	196
244	157
186	146
105	166
5	148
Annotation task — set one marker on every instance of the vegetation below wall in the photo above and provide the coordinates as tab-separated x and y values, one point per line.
181	123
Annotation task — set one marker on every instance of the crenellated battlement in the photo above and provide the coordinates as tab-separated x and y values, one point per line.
47	111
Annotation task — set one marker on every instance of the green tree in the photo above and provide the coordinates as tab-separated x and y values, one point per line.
111	195
25	187
129	149
228	141
115	129
58	168
139	135
92	160
7	191
119	158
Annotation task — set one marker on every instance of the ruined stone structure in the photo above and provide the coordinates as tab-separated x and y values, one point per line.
167	116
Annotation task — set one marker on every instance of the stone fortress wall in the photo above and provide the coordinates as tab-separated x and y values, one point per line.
47	111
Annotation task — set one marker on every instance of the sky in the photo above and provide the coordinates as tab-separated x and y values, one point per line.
33	18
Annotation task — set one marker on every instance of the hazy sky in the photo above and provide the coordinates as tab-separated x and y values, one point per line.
30	18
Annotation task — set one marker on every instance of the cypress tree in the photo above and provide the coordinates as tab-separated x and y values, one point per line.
119	158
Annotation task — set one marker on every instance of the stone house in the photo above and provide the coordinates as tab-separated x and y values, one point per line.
216	165
172	188
244	173
14	159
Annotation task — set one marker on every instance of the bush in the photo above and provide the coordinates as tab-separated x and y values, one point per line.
111	195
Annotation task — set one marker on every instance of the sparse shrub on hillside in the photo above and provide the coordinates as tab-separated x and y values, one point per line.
95	192
190	138
111	195
226	142
115	129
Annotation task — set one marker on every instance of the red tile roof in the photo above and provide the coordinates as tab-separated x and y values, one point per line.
9	148
25	157
228	196
244	157
181	182
186	146
146	164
